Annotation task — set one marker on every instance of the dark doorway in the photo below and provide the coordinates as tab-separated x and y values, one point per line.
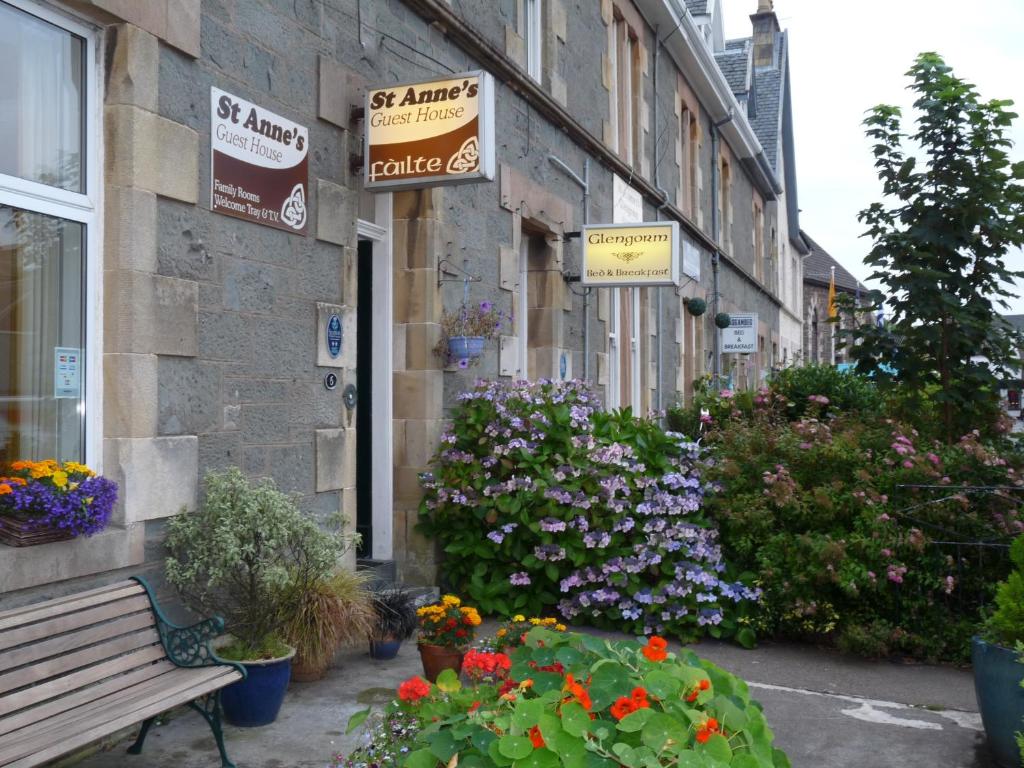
364	409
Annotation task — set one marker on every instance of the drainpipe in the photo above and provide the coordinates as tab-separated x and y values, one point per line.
584	184
716	168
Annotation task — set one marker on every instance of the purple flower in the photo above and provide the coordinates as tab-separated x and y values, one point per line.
486	306
519	579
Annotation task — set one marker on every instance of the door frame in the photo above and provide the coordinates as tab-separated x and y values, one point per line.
378	232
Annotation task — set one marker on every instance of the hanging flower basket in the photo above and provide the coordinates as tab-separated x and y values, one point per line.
722	320
465	347
696	306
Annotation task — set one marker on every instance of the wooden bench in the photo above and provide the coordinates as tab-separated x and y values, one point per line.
79	668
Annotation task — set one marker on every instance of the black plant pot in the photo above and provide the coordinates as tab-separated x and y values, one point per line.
997	677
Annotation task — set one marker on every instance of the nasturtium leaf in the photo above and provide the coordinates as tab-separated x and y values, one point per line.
482	738
746	760
421	758
526	715
543	682
730	712
357	719
493	752
443	745
515	747
661	685
568	657
626	754
575	719
690	760
594	644
592	760
716	747
539	758
635	721
660	729
780	760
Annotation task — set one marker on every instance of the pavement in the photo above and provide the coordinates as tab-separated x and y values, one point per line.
827	711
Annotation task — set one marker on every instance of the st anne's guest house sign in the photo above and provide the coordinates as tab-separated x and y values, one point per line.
429	133
259	164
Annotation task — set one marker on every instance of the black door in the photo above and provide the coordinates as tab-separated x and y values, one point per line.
364	407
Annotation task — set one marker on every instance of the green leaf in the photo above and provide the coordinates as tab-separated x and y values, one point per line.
539	758
745	760
482	738
661	684
495	754
626	754
357	719
747	638
779	759
527	714
421	758
635	721
448	681
660	729
716	747
515	747
575	719
442	745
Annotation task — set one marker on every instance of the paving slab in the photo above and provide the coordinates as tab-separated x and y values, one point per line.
827	711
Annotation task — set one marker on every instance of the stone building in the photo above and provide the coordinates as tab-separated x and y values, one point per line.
307	355
819	333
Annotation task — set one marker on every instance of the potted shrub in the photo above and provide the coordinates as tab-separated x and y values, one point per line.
997	675
446	628
332	611
394	620
464	333
44	501
245	554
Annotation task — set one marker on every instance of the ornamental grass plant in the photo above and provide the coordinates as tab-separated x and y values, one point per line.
565	699
540	500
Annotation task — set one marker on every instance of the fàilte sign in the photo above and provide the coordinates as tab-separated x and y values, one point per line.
429	133
631	254
741	335
259	166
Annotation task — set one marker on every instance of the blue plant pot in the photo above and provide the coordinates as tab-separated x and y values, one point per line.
384	650
257	700
466	347
997	676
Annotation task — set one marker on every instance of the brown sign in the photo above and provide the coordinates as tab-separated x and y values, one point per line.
259	164
429	133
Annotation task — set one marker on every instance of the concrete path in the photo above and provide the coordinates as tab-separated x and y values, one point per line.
827	711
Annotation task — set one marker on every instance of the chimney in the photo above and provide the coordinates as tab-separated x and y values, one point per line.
766	27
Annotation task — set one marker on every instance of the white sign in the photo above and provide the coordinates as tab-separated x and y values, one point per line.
741	335
428	133
691	260
631	254
67	372
259	164
627	203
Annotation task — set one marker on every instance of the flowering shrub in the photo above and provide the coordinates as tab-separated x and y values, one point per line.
49	494
607	704
448	623
598	513
822	508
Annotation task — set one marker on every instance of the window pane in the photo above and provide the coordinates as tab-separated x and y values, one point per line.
41	356
41	101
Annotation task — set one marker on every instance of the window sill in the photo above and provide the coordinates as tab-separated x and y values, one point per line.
113	548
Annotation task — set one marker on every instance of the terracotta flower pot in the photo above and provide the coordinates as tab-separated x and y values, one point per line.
437	658
304	672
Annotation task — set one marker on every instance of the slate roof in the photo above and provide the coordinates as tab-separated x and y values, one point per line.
768	94
818	265
697	7
739	42
1017	321
735	65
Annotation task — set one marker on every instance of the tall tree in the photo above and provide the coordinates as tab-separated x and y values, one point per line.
953	208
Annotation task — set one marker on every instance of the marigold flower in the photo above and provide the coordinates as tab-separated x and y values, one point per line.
4	489
518	617
413	689
655	648
560	627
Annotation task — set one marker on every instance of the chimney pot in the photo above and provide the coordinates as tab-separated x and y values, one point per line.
765	6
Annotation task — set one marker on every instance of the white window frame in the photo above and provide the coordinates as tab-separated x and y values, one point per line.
532	31
523	310
81	207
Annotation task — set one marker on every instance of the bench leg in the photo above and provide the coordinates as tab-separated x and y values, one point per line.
136	748
209	707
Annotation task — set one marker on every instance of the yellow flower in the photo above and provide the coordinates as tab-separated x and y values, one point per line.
451	601
60	479
535	621
502	632
74	468
518	617
40	471
560	627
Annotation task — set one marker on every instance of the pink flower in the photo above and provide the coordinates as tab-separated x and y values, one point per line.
805	446
886	552
933	459
883	518
726	394
908	464
895	573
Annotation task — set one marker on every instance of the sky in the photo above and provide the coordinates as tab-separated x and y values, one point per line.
849	56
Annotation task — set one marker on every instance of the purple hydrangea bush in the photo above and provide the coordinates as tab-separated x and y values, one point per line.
541	500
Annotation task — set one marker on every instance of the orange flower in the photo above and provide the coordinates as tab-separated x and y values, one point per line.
536	738
4	489
703	735
413	689
474	706
709	728
703	685
655	648
623	706
577	693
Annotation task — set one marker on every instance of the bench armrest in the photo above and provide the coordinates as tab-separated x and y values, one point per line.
188	646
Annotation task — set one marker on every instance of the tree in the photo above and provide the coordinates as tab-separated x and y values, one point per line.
953	207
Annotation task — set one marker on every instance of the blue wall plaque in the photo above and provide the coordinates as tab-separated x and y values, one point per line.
334	335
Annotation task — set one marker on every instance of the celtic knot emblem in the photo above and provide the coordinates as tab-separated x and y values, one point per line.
293	212
627	256
467	158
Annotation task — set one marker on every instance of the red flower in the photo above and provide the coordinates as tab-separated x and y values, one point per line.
413	689
639	695
622	707
703	735
705	684
536	738
460	633
474	706
706	730
655	648
576	693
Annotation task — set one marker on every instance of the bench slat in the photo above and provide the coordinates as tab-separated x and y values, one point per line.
19	617
68	598
98	722
111	685
42	670
71	621
64	685
63	644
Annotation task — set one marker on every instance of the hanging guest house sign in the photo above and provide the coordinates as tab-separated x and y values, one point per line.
430	133
259	164
631	254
